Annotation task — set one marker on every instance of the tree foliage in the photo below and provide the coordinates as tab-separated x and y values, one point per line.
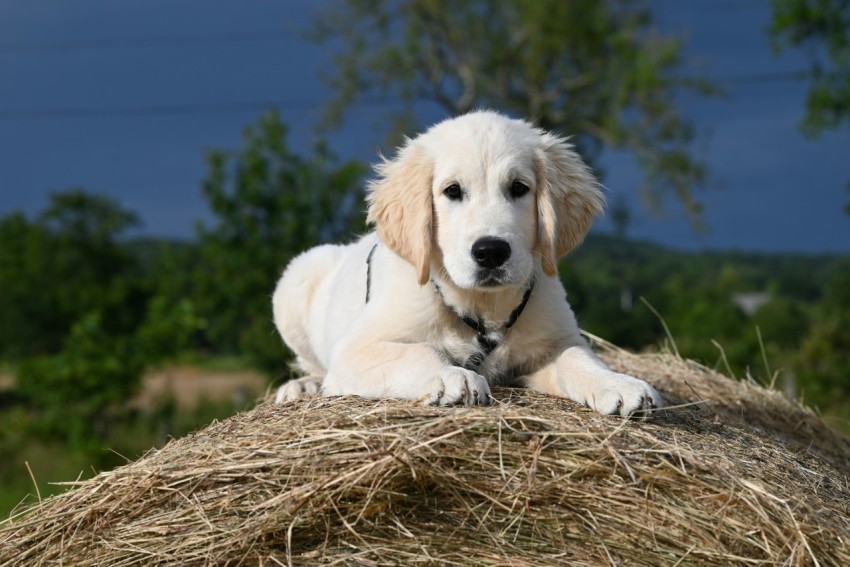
268	205
823	26
823	364
799	331
73	298
81	390
597	70
62	266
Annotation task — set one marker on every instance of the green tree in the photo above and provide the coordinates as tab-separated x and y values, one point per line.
823	366
169	328
60	267
28	311
84	388
701	316
782	323
269	204
824	27
595	69
72	300
88	220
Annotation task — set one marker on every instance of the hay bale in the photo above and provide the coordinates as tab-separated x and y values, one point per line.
735	475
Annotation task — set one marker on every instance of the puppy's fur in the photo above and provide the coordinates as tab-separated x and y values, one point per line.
479	176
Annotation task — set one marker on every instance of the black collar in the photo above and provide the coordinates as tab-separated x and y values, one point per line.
487	341
477	324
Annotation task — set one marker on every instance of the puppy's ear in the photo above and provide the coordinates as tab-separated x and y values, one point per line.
400	207
568	197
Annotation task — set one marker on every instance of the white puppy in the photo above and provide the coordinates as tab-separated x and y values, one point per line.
457	290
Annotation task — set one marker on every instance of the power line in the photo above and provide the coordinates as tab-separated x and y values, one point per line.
712	6
756	78
151	110
154	41
178	109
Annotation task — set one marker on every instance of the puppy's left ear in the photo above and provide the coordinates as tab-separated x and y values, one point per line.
568	197
400	207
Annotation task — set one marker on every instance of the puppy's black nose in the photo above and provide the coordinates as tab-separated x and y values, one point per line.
490	252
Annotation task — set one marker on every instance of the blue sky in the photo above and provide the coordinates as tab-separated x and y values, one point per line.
124	98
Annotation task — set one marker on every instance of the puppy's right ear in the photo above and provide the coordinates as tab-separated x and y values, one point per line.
400	207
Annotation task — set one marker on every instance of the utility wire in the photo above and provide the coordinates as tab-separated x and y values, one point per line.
152	110
174	109
756	78
709	6
155	41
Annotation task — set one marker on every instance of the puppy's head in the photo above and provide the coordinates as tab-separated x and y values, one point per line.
480	197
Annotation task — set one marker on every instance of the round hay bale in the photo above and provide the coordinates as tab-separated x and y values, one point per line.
730	474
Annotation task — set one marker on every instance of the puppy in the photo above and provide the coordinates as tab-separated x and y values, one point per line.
458	288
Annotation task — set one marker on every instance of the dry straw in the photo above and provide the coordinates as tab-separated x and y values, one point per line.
735	475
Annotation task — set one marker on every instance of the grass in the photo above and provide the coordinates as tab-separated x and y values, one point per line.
49	462
26	458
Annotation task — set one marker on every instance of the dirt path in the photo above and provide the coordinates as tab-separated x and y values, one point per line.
189	384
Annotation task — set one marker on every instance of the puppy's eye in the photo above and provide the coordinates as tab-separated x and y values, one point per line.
453	192
518	189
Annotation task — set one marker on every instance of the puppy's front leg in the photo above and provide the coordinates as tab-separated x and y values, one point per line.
579	375
401	370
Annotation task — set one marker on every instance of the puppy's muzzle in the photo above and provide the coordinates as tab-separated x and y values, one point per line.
490	252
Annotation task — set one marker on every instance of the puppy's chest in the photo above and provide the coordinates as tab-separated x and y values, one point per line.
500	355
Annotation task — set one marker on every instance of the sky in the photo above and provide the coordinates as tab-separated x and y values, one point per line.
125	99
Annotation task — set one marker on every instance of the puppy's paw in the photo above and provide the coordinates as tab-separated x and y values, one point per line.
297	388
619	394
454	386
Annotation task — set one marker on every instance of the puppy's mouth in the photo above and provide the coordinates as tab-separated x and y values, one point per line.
494	277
